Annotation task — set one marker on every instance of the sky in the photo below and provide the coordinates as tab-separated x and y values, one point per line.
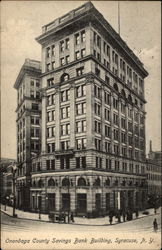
21	23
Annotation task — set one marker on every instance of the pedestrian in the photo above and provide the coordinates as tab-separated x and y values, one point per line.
110	219
72	217
137	214
118	216
124	215
155	225
155	210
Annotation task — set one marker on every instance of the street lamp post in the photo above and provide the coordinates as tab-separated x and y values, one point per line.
14	195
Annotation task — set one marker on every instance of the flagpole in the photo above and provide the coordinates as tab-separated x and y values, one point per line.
119	17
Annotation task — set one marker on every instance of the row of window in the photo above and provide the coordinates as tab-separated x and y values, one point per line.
99	162
115	60
65	44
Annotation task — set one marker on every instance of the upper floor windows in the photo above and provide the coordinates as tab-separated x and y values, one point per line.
51	116
67	43
80	71
48	52
53	50
98	144
64	77
81	90
51	99
62	46
83	37
115	103
65	95
80	37
81	143
107	98
50	82
97	91
81	126
35	106
97	109
97	72
65	129
97	40
81	108
65	112
77	39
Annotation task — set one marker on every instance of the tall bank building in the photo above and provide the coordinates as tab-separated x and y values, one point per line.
81	120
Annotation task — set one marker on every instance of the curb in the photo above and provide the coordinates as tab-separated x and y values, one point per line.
20	218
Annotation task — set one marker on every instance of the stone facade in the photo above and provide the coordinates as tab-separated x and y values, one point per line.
92	156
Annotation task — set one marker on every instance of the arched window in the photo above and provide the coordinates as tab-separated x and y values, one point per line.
116	87
81	181
40	183
65	182
136	102
64	77
123	93
130	99
97	182
107	182
51	183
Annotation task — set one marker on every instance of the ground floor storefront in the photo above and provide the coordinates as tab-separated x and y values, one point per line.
89	202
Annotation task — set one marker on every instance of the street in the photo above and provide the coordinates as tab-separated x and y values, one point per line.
145	224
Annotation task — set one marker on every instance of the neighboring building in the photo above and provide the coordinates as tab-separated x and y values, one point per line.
28	121
154	168
5	178
93	119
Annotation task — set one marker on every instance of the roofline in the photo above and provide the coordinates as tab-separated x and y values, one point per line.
92	11
25	68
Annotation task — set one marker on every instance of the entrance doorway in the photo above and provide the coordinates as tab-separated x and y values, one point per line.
107	202
81	203
66	202
51	202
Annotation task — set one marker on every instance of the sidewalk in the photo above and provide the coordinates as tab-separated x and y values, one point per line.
78	220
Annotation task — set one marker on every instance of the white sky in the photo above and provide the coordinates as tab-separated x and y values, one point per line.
21	23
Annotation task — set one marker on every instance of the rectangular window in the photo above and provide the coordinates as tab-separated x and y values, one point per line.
53	164
80	71
53	65
67	59
50	82
35	106
53	50
48	67
107	98
77	40
62	46
77	55
67	43
83	38
81	90
62	61
81	108
97	72
65	95
48	52
48	164
82	53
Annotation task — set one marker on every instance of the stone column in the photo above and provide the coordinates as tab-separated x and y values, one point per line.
90	113
72	116
43	129
57	120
